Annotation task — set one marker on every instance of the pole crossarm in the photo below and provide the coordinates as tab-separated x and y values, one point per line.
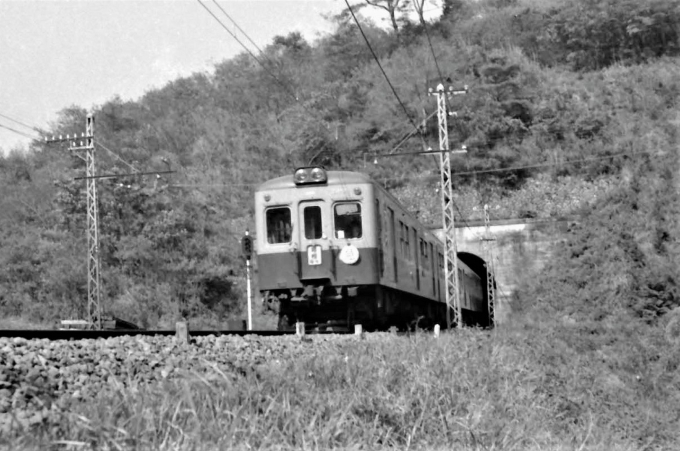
81	139
453	310
131	174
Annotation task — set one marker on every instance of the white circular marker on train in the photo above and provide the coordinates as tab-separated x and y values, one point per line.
349	254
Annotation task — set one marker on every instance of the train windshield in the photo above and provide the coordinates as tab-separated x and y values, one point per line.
278	225
348	220
313	227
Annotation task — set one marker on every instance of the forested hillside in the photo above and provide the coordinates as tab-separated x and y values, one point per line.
572	107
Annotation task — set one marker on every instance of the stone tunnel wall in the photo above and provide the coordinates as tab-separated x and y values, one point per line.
518	249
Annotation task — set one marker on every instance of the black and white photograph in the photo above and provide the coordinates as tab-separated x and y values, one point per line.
340	225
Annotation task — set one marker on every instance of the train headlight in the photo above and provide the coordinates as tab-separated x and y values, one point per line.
310	175
349	254
301	176
318	175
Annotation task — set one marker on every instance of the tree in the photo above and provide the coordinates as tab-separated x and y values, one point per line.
394	9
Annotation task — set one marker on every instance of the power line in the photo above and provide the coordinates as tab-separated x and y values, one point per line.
413	132
19	132
113	176
279	82
116	155
36	129
223	185
228	31
427	177
418	152
375	57
241	30
429	41
513	168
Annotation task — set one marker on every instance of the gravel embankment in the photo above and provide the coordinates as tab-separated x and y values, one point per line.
38	377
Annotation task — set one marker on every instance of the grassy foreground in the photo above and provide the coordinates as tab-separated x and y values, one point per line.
507	389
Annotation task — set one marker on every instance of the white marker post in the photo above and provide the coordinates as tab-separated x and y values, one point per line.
247	248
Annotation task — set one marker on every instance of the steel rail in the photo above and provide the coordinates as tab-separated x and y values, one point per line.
77	334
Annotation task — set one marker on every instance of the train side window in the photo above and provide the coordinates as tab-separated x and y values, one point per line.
432	254
402	245
347	219
405	241
414	240
278	225
313	226
423	252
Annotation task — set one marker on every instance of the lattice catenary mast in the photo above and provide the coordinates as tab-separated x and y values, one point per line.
450	254
490	288
85	142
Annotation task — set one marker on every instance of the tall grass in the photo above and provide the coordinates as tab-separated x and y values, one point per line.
466	390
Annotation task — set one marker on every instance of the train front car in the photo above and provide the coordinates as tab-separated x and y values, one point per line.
317	249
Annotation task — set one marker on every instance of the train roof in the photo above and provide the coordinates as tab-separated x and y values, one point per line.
334	178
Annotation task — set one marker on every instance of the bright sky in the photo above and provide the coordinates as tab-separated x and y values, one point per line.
54	54
58	53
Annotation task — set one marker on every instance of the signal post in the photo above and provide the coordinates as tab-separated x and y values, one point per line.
247	250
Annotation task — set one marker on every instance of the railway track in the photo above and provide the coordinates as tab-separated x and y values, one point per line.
76	334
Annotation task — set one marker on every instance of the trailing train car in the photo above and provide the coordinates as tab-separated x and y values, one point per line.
335	249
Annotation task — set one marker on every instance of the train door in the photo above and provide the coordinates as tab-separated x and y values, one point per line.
313	238
379	242
416	256
433	269
392	242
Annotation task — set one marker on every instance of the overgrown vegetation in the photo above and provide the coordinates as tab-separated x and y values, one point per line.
469	390
560	113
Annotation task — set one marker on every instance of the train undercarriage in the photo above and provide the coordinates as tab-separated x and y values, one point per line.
326	308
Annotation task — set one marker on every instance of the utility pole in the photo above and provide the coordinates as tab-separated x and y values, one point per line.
490	288
451	253
85	143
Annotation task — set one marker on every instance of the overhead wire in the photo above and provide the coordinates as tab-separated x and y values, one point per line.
280	83
26	135
411	133
436	178
35	129
513	168
375	57
118	157
241	30
441	78
269	72
232	34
